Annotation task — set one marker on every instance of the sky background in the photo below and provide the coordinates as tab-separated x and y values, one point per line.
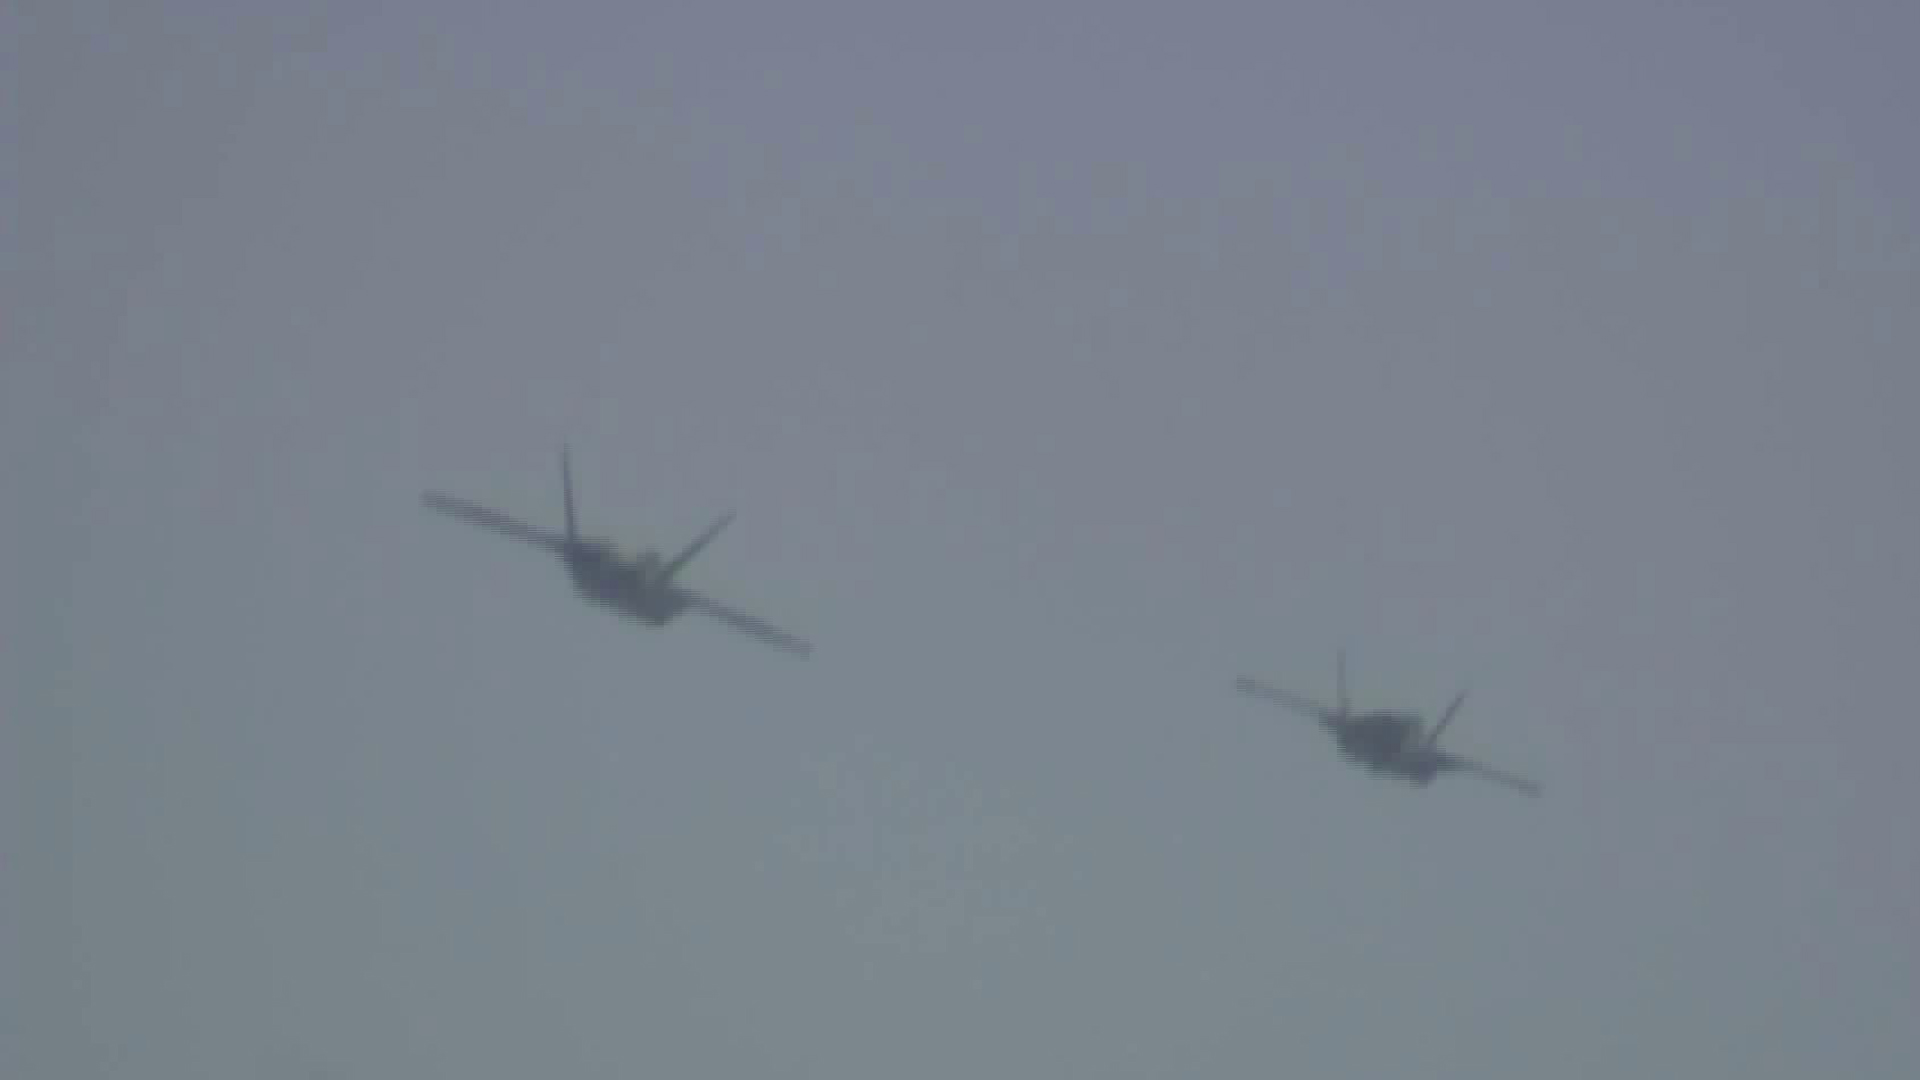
1063	361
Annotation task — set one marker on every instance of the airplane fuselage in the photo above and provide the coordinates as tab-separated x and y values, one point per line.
1416	764
1389	742
1376	737
629	583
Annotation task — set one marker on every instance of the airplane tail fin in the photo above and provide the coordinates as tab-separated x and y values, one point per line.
679	562
566	487
1340	682
1446	718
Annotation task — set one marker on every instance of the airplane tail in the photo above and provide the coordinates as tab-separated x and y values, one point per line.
1340	682
679	562
1446	718
566	487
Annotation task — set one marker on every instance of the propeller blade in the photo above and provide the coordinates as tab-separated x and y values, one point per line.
493	520
1287	699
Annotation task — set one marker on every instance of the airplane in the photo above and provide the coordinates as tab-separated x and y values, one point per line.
1387	741
639	584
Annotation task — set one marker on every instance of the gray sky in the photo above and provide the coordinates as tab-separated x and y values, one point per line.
1063	362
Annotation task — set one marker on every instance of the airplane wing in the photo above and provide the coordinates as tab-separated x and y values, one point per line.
493	520
751	625
1287	699
1498	776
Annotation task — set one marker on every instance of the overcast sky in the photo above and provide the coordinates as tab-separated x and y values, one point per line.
1063	362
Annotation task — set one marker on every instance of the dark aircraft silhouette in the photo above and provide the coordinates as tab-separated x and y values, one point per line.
639	584
1396	743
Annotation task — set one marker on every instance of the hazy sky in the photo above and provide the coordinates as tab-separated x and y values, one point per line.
1063	362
